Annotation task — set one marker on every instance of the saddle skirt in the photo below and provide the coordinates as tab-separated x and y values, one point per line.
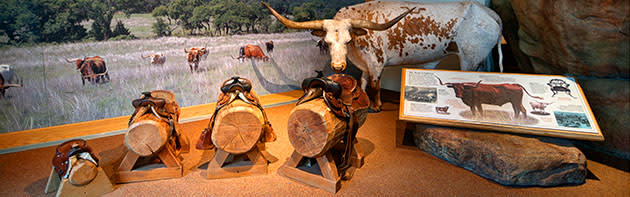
232	89
66	150
163	105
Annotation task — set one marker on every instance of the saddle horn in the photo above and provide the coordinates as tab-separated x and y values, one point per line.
236	83
326	84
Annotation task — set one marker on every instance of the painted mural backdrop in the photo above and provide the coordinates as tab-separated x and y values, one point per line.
39	38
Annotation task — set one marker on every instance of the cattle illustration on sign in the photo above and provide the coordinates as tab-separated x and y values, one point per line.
538	108
441	110
373	35
474	94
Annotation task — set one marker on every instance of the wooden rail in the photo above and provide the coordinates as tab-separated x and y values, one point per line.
74	130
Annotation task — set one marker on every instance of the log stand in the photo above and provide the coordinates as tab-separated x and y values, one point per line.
98	186
237	131
227	165
173	169
149	142
324	174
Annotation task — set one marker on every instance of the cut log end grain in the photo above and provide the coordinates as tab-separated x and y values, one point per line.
147	136
313	128
237	127
82	173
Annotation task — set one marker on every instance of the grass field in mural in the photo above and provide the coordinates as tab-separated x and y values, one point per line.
53	93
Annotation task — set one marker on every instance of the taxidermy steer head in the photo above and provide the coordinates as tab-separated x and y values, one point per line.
337	33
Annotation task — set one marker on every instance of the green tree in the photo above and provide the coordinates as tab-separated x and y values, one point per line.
32	21
182	11
102	12
160	28
201	17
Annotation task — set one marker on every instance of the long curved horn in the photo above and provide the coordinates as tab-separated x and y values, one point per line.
439	79
69	60
314	24
477	84
359	23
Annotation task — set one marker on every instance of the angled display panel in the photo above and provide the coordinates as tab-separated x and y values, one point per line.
549	105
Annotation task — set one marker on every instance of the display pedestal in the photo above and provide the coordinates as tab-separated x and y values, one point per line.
173	169
98	186
323	175
227	165
404	134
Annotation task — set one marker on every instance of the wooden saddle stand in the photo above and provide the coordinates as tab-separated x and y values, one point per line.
322	129
153	138
76	172
238	129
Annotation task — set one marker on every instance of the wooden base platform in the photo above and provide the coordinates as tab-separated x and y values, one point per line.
227	165
98	186
173	169
324	174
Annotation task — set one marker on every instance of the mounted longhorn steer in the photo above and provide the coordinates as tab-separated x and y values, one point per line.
156	58
194	55
420	33
251	51
269	46
91	68
475	94
8	79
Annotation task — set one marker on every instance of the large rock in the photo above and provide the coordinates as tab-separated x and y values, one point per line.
610	102
589	39
505	158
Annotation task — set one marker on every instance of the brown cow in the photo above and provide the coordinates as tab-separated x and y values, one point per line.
93	69
156	58
194	56
475	94
251	51
269	46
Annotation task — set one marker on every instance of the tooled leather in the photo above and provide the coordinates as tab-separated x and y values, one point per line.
62	154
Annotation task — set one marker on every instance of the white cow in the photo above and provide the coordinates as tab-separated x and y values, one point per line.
420	33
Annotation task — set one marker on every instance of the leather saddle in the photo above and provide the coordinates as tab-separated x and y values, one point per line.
162	104
232	89
70	148
341	93
344	98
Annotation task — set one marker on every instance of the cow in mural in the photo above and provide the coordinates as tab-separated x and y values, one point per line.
373	35
251	51
269	46
8	79
194	55
93	69
156	58
323	47
475	94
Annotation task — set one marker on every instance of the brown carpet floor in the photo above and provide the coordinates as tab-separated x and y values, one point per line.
388	171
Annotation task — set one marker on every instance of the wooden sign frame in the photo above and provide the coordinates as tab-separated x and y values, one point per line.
565	111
